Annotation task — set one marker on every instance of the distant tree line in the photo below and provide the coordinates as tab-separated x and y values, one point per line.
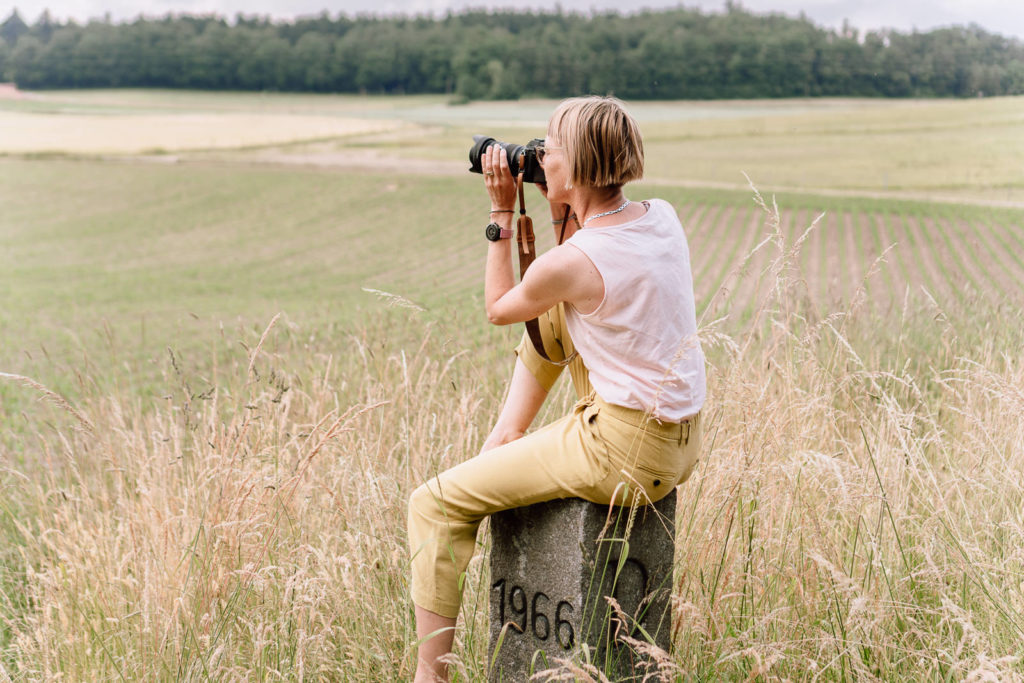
667	54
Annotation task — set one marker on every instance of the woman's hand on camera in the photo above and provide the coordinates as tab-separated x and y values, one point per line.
498	180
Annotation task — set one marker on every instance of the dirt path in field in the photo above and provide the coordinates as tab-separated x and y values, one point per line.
368	159
373	160
390	161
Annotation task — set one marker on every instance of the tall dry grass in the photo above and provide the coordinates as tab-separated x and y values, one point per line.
250	527
857	514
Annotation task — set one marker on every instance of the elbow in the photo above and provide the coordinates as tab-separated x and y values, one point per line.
494	317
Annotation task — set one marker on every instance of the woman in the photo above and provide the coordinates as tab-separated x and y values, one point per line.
619	293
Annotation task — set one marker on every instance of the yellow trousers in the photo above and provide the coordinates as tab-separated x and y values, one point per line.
599	452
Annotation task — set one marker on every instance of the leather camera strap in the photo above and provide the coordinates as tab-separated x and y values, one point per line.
527	253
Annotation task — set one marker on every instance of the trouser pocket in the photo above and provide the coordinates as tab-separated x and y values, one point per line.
594	443
643	466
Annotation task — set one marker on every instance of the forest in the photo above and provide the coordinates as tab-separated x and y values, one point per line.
476	54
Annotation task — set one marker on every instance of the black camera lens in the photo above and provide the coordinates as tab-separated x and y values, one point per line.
482	143
532	172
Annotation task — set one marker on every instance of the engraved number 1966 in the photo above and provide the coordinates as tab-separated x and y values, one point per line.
528	611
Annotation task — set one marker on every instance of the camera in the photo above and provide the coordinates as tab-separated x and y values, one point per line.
517	154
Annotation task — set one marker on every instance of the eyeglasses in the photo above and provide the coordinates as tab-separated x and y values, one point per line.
542	151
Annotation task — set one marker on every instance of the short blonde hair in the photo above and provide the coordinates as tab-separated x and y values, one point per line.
602	141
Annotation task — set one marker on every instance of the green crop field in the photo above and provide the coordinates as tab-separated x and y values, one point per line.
238	329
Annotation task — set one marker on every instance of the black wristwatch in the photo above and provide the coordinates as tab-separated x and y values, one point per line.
495	232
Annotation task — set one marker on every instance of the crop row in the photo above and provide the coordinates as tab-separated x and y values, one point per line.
845	256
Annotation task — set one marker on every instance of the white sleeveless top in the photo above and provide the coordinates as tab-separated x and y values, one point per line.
640	344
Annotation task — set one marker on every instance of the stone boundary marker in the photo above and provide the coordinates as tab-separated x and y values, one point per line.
551	567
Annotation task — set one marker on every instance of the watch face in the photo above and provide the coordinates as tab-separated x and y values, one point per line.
493	232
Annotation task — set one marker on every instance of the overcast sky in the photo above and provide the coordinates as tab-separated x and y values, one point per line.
999	16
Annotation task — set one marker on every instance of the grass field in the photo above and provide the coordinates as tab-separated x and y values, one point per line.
227	367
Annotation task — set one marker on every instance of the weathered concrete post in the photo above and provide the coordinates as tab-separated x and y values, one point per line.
551	566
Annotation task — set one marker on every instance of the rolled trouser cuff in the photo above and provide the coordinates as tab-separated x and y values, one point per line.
441	548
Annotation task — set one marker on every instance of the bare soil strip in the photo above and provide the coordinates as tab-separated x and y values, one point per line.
730	230
813	258
718	239
898	261
1000	245
744	269
858	249
871	238
712	237
799	221
931	258
993	260
1014	238
769	254
788	227
699	227
1002	272
1005	234
959	255
832	271
762	279
808	252
686	214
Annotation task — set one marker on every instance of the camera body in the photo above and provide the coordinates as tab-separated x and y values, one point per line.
519	156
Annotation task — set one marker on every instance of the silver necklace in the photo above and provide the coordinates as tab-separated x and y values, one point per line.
606	213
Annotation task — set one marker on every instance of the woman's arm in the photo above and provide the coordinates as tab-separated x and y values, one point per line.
525	397
562	274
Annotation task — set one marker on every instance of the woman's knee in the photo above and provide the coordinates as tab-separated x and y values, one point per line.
423	504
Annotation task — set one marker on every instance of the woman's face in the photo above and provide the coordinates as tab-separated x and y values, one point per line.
556	170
